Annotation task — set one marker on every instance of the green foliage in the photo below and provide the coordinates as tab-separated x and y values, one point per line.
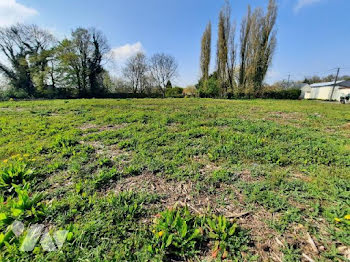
292	215
229	239
168	85
13	93
293	94
263	194
13	174
175	92
291	254
179	234
176	234
105	177
25	206
209	88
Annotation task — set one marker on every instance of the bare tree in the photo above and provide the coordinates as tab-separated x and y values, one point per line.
205	53
163	68
136	72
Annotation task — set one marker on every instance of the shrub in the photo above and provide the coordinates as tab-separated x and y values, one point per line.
175	92
211	89
13	93
293	94
190	91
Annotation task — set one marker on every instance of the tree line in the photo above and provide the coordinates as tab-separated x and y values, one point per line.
319	79
240	69
38	65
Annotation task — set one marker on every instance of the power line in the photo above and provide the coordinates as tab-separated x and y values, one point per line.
289	76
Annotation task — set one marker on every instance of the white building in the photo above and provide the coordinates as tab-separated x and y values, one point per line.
327	90
305	91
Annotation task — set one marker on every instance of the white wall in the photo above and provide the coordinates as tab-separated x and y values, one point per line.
341	92
305	92
324	92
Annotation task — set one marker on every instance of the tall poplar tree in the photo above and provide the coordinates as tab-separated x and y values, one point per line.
205	54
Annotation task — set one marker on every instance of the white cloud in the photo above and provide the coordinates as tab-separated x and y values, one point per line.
12	12
122	53
302	3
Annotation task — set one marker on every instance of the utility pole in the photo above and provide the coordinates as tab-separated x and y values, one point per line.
335	83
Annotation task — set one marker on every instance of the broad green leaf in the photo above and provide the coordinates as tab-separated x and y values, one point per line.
169	240
3	216
184	229
232	230
16	212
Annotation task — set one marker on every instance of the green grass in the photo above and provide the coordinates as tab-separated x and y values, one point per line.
105	169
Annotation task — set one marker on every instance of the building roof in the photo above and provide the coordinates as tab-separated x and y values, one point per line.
341	83
345	84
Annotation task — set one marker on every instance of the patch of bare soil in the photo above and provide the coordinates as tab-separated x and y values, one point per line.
89	126
283	116
111	151
346	126
172	192
13	109
302	177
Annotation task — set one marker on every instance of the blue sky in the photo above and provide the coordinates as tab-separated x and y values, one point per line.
313	35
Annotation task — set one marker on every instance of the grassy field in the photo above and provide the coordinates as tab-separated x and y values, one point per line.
177	179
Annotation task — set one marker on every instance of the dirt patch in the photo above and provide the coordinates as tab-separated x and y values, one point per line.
170	190
12	109
283	116
302	177
246	176
263	236
97	145
88	126
346	126
110	151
